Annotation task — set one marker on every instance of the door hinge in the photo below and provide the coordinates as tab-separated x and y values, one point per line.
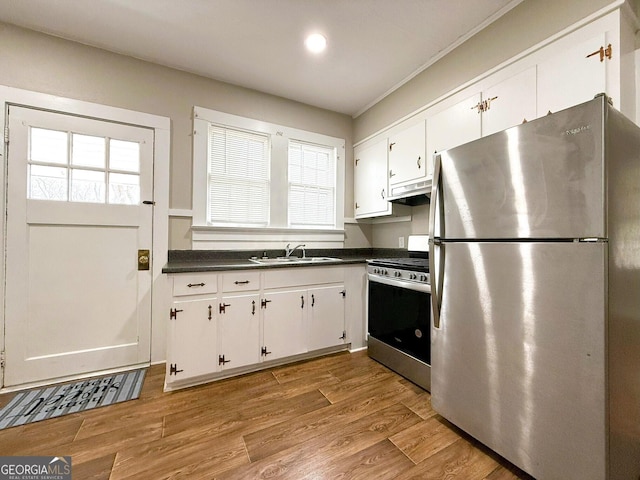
602	53
2	359
173	369
6	134
173	313
344	335
343	293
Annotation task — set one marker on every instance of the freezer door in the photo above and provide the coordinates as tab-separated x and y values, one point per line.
519	358
540	180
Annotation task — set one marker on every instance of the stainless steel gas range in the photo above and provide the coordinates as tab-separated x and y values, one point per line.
399	312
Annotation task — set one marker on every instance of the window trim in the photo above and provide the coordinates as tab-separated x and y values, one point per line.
205	236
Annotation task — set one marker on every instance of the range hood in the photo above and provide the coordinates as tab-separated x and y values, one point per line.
417	193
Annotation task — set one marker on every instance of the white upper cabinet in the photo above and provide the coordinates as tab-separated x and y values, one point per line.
571	77
370	180
509	102
453	126
407	156
588	59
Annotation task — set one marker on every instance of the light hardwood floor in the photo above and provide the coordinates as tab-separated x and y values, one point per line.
342	416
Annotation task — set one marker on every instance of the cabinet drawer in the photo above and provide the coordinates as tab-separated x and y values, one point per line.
240	281
195	284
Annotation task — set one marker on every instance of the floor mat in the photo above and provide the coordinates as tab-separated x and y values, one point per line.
49	402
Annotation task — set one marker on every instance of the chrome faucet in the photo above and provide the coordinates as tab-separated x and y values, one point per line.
288	251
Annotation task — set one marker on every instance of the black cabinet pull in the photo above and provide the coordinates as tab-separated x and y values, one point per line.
253	307
302	298
209	312
313	300
244	282
191	285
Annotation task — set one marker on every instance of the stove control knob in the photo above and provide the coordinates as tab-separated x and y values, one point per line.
398	274
385	272
412	276
423	278
375	270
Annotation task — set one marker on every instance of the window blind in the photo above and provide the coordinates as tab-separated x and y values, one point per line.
238	183
312	185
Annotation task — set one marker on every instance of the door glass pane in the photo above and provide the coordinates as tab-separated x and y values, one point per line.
47	183
124	189
48	146
87	186
124	155
88	151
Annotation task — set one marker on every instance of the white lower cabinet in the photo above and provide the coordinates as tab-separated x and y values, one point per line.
326	317
233	322
192	339
283	320
238	331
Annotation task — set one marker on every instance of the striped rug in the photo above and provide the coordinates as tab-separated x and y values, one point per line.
49	402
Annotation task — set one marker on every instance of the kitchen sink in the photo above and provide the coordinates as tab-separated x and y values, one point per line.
289	260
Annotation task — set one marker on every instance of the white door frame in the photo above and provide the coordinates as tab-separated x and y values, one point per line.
160	295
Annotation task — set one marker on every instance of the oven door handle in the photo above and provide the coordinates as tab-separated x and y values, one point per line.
418	287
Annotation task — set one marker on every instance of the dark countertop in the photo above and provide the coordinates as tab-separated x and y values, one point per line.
185	261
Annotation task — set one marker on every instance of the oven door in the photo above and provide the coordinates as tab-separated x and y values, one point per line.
399	315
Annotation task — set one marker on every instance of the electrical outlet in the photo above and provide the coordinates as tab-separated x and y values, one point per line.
400	242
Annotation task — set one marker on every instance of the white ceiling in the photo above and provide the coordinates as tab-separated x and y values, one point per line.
373	46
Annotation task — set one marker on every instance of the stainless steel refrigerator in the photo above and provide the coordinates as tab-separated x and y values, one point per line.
535	278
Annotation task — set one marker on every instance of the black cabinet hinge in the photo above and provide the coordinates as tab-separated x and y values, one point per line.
173	369
173	313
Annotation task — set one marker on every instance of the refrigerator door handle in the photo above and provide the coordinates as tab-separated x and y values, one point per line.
434	241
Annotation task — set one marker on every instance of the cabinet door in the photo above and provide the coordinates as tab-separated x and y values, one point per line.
192	339
326	317
284	324
509	102
570	78
407	155
238	330
453	126
370	181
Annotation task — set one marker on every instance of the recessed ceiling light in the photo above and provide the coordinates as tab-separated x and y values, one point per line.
315	43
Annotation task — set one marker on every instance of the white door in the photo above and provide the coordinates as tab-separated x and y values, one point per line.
76	301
